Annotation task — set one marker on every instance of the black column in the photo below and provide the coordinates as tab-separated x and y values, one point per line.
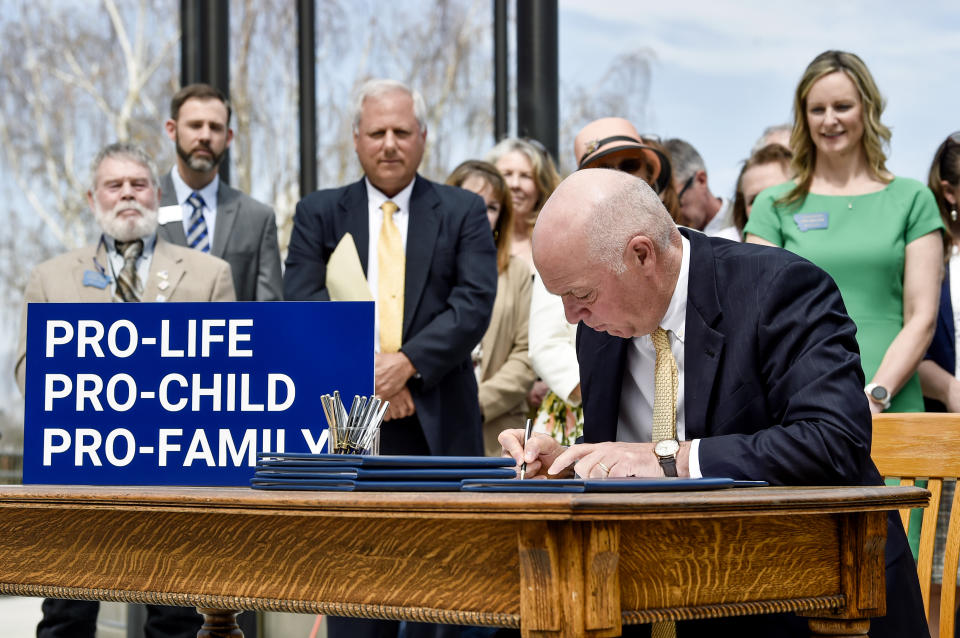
306	56
501	95
538	101
205	50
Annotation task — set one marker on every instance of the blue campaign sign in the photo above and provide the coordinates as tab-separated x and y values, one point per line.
184	393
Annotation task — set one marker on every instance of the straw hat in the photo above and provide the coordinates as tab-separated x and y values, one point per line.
615	139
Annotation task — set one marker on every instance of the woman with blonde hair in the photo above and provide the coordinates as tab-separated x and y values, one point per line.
504	374
877	235
531	177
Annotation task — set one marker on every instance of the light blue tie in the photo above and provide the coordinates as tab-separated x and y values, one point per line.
197	236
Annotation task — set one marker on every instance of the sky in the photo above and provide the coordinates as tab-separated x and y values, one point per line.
723	71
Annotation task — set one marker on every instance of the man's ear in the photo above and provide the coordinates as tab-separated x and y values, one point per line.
640	252
701	177
171	127
229	137
90	200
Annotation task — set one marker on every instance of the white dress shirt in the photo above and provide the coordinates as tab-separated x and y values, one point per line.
635	422
209	195
401	217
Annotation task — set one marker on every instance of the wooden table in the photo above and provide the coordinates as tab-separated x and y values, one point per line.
551	564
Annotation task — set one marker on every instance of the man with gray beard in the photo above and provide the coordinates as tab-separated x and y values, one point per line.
128	263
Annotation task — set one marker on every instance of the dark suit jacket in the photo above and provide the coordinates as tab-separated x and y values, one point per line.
245	236
943	349
773	387
449	288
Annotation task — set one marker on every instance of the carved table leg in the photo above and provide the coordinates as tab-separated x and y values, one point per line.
219	623
823	628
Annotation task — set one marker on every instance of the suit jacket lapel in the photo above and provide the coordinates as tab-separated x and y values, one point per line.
173	230
166	273
601	369
85	262
422	230
168	194
704	345
228	203
355	216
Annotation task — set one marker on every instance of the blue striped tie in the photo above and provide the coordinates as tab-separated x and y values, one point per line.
197	236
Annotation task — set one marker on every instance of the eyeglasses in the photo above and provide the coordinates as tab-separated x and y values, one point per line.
686	186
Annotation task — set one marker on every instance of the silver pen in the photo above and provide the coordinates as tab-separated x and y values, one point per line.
526	437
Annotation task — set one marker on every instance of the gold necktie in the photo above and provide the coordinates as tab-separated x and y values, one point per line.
666	381
665	388
392	266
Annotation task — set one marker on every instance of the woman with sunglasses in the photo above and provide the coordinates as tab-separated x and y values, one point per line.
877	235
503	368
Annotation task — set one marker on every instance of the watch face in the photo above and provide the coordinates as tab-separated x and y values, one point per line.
879	393
666	447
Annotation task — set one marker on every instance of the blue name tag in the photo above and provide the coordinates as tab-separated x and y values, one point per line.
812	221
95	279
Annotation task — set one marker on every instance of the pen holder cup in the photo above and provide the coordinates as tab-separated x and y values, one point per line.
356	440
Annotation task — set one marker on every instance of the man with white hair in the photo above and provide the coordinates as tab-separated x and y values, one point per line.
704	357
128	263
431	266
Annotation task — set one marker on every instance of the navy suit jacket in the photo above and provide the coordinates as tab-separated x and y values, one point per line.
773	385
943	349
449	287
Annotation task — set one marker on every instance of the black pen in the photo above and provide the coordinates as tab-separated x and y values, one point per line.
526	437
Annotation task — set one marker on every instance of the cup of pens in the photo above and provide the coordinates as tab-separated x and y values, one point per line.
356	431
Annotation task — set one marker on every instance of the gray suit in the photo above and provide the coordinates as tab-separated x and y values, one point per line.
245	236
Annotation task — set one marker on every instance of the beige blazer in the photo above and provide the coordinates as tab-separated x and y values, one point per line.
505	372
190	275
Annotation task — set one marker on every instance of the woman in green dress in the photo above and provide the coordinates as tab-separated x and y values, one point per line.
877	235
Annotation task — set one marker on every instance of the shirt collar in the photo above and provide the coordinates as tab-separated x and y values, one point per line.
402	199
208	192
675	319
148	243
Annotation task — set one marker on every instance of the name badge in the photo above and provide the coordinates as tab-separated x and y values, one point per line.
812	221
167	214
95	279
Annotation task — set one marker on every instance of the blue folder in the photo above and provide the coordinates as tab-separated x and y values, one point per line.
384	473
600	485
337	485
312	460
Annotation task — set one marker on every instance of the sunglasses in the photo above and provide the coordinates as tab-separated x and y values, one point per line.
626	165
686	186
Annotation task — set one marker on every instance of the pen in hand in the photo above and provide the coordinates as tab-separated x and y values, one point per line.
526	437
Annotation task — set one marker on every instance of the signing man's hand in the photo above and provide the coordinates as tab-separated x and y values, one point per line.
539	454
617	460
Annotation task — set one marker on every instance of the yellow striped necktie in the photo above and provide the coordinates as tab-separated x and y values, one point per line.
666	382
391	263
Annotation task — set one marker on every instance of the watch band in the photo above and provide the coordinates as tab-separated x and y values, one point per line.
669	465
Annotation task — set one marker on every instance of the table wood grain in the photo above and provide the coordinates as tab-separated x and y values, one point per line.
551	564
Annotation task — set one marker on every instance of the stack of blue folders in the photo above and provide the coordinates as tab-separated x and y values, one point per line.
350	472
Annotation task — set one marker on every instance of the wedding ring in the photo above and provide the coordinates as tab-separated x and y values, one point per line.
603	467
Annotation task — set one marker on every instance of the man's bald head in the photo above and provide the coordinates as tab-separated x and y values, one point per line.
605	244
597	211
